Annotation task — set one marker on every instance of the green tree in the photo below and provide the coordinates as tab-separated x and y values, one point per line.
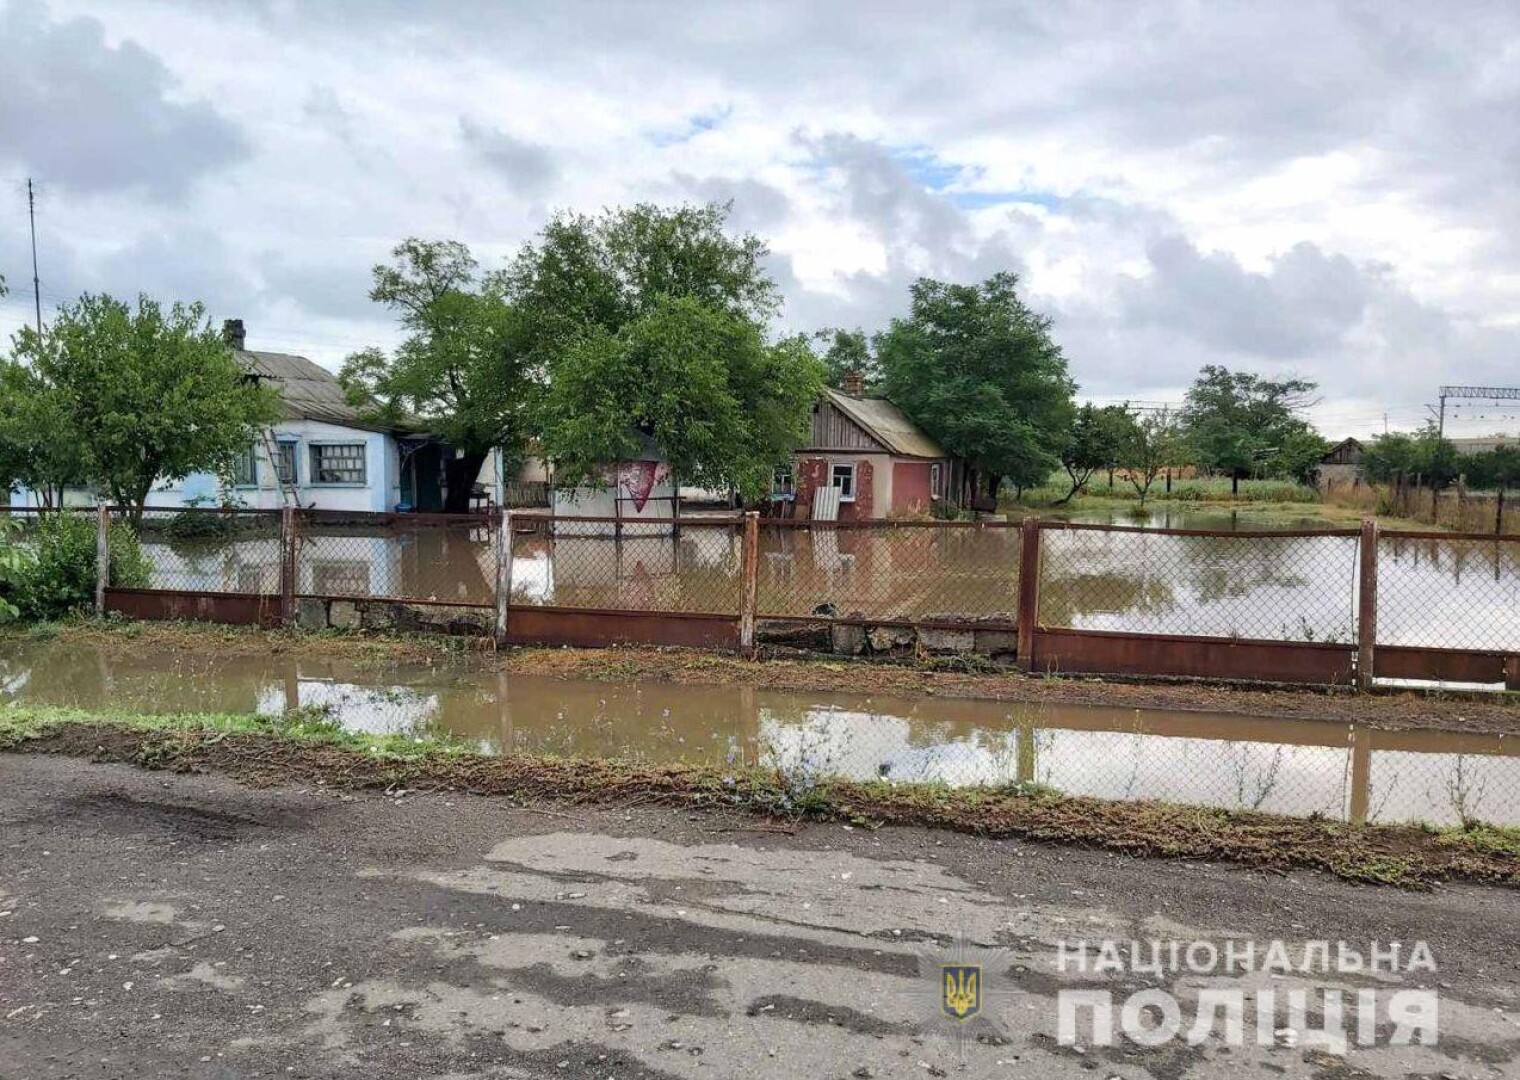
1098	440
1425	456
463	370
721	404
1238	423
148	394
1155	442
977	369
588	274
651	325
847	351
39	448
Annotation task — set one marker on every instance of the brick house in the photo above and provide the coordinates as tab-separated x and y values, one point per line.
882	465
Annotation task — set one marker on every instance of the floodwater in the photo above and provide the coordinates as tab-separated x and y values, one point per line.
1285	766
1442	593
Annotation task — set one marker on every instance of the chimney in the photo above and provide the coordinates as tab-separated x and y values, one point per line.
234	334
853	382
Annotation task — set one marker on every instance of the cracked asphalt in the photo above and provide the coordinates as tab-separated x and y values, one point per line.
182	925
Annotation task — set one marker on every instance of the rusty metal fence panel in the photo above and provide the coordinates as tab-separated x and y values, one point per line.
652	564
1270	586
910	571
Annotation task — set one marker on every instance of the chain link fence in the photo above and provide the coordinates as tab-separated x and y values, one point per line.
208	550
903	571
1441	591
1260	585
694	565
432	558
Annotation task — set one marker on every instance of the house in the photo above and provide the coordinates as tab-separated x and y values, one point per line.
1342	464
322	453
877	460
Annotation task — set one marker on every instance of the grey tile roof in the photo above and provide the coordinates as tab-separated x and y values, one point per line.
885	423
308	390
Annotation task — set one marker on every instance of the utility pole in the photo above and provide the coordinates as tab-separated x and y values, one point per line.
31	213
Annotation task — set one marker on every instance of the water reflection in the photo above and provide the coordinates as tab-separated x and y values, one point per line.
1293	767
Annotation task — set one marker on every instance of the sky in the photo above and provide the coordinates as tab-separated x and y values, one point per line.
1326	190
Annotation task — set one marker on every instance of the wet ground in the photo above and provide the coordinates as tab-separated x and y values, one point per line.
165	925
1339	770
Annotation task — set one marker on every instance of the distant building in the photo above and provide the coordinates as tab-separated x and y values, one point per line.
867	454
1342	464
1485	444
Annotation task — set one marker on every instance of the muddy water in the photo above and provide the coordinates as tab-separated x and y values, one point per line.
1296	767
1455	594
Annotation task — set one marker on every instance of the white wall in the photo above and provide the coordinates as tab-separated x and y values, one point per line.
602	502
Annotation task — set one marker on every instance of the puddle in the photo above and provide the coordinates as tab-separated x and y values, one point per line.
1285	766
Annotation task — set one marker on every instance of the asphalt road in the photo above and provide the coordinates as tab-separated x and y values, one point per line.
159	925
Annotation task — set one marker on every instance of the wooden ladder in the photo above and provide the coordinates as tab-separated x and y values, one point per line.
289	496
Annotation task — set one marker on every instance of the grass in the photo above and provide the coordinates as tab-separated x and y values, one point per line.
310	748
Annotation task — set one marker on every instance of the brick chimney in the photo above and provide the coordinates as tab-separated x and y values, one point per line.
853	382
234	334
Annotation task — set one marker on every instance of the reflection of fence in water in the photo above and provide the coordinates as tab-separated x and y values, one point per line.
1301	779
1448	592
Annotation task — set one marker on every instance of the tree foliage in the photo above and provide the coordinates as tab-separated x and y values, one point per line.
1099	437
977	369
142	395
1238	423
1424	456
847	351
651	325
703	386
1155	442
463	370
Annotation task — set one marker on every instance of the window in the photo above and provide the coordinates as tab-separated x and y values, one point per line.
340	579
843	477
245	469
285	463
337	463
936	481
783	483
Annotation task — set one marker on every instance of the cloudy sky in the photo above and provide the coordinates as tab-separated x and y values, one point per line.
1325	189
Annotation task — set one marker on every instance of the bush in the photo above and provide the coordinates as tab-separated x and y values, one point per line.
59	576
14	560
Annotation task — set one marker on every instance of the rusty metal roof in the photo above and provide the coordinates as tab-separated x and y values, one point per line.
885	423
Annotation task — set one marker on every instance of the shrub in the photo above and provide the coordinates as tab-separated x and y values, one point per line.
14	560
59	577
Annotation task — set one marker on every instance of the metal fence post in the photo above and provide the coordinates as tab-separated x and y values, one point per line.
750	568
1366	604
503	575
288	567
102	556
1029	591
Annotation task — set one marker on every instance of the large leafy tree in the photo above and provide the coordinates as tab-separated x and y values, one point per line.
1425	456
463	371
652	325
720	403
585	274
1238	422
1099	438
145	394
39	449
977	368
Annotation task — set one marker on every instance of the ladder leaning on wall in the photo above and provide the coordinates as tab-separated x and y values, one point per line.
289	496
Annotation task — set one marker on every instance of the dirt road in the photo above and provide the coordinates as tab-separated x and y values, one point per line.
158	925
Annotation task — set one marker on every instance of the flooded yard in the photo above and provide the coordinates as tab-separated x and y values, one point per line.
1286	766
1432	592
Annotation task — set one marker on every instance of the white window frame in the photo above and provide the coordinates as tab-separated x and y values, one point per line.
846	489
936	480
788	471
314	450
